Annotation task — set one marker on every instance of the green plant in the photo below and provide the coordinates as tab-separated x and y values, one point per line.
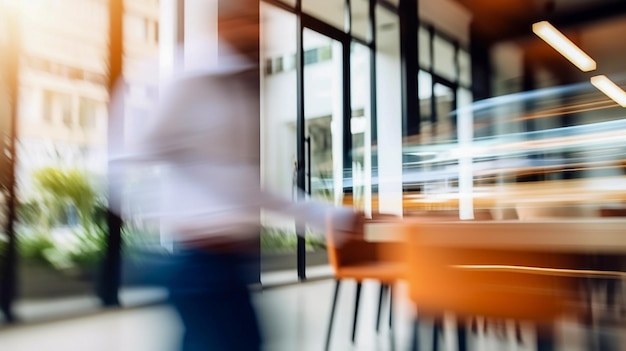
29	212
90	249
63	187
60	193
35	247
277	240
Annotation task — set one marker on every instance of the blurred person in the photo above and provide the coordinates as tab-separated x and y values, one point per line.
204	131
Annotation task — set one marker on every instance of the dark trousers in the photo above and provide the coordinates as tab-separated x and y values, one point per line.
209	290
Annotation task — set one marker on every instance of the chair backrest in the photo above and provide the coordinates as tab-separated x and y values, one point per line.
487	282
354	248
613	212
449	215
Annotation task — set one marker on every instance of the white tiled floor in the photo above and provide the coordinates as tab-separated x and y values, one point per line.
294	318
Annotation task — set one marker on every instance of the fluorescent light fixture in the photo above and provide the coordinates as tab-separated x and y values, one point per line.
611	89
563	45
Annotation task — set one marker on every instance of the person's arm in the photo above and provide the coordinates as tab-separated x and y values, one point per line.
345	220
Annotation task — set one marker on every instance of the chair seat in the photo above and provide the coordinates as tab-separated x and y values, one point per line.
386	272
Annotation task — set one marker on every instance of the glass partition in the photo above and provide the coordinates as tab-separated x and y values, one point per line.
145	244
323	108
360	127
389	143
424	40
444	58
6	138
425	93
561	171
323	125
61	155
465	68
279	111
445	103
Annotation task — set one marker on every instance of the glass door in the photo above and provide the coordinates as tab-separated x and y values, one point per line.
323	111
306	129
323	127
279	111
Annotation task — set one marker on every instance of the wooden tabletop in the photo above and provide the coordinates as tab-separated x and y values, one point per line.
602	235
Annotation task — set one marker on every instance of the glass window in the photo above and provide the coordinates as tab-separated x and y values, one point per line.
142	237
267	66
61	239
5	128
278	135
389	113
424	48
425	86
277	65
445	127
28	104
310	56
361	127
289	62
325	53
88	112
444	58
48	105
323	114
465	68
427	119
65	102
135	27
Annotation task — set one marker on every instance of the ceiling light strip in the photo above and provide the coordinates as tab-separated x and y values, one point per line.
612	90
563	45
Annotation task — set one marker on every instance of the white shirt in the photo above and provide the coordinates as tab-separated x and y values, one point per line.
204	132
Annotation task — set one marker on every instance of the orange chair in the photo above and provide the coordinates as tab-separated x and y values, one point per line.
359	259
498	283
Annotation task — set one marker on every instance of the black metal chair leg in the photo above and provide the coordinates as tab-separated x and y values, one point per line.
437	331
332	314
415	342
390	306
518	333
461	334
383	287
356	309
474	325
391	333
545	339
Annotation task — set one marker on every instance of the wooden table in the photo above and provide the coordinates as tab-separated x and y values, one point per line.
516	269
602	235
